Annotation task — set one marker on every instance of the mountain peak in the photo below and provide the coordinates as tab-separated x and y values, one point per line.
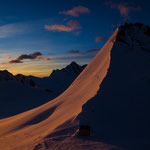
135	36
5	75
4	71
73	63
73	68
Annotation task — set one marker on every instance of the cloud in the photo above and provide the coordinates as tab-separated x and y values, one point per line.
75	52
83	53
99	39
93	50
20	58
57	27
123	8
38	56
76	11
70	26
8	57
73	57
14	29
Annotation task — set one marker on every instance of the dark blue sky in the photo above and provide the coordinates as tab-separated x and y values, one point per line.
62	30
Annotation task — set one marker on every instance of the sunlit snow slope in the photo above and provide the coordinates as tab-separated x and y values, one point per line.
25	130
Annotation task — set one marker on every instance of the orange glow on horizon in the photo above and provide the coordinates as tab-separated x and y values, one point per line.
35	69
32	73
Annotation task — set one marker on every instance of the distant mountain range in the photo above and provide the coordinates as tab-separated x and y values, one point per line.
19	93
59	80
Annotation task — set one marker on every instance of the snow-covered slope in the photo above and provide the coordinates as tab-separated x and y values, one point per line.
19	93
116	81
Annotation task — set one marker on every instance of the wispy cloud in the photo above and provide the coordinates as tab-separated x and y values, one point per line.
38	56
20	58
99	39
75	52
21	28
93	50
78	55
70	26
73	57
76	11
78	52
14	29
123	8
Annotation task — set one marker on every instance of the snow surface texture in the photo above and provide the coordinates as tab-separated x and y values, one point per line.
53	125
20	93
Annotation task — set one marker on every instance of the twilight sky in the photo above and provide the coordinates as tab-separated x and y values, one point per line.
37	36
